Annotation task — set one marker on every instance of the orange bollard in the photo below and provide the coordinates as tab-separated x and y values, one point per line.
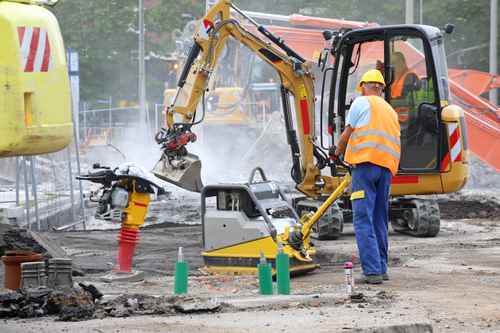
127	241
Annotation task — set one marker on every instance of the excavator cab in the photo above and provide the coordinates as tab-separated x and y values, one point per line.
433	140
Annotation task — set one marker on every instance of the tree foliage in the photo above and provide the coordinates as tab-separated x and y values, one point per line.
104	32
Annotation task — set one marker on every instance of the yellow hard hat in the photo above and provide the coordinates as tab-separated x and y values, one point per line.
373	75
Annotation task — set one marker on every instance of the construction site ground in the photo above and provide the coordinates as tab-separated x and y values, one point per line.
450	283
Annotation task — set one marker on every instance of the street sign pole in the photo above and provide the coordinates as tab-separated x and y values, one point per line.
74	75
142	70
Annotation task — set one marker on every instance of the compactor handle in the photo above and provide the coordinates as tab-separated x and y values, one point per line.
252	175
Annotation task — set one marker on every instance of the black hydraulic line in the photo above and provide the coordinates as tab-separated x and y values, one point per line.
273	38
193	54
291	136
321	108
280	43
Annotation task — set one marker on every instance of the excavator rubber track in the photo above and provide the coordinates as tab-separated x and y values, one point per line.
415	217
330	226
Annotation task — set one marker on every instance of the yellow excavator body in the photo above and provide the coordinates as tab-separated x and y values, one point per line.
235	233
35	99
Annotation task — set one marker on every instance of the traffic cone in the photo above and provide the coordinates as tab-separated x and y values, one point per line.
265	276
282	271
181	274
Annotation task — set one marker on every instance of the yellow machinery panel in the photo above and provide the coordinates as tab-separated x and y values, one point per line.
35	99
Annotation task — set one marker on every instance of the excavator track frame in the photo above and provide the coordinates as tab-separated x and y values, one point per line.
415	216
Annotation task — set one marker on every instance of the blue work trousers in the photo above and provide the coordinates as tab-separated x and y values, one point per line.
371	215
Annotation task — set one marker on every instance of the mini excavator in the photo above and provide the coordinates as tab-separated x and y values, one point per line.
247	218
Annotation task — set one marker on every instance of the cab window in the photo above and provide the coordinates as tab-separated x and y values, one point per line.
411	92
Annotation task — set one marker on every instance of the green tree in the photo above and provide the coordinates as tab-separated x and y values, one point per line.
103	31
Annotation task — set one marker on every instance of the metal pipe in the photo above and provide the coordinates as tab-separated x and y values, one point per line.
84	120
78	170
242	13
18	179
409	12
35	192
494	47
68	226
278	41
110	119
142	66
157	127
26	194
71	194
421	12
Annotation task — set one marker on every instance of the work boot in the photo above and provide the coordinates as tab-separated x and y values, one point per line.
385	277
369	279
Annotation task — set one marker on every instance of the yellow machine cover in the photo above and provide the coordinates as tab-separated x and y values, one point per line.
35	99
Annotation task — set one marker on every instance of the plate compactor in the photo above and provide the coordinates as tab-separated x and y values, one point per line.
252	219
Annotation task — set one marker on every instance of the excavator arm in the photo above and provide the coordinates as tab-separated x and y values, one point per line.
222	22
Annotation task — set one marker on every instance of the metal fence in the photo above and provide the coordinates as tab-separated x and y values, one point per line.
44	194
109	125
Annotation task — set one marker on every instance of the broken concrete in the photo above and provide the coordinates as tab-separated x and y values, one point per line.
21	239
193	305
69	305
83	304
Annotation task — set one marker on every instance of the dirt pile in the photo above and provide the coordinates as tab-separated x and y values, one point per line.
481	175
468	205
20	239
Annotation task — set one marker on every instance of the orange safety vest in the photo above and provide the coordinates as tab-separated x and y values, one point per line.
397	86
379	141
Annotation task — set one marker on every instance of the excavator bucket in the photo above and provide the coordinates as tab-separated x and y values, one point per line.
184	172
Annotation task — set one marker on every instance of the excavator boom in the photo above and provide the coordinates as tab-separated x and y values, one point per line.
434	157
222	22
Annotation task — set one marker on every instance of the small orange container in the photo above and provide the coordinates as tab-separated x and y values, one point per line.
12	261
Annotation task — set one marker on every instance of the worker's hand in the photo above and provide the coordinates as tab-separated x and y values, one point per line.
380	66
334	153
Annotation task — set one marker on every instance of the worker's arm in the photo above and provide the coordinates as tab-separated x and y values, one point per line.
358	116
344	138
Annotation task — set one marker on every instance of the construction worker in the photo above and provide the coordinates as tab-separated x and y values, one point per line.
371	144
404	79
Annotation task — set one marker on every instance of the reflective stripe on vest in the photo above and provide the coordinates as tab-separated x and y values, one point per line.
377	146
375	132
378	142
